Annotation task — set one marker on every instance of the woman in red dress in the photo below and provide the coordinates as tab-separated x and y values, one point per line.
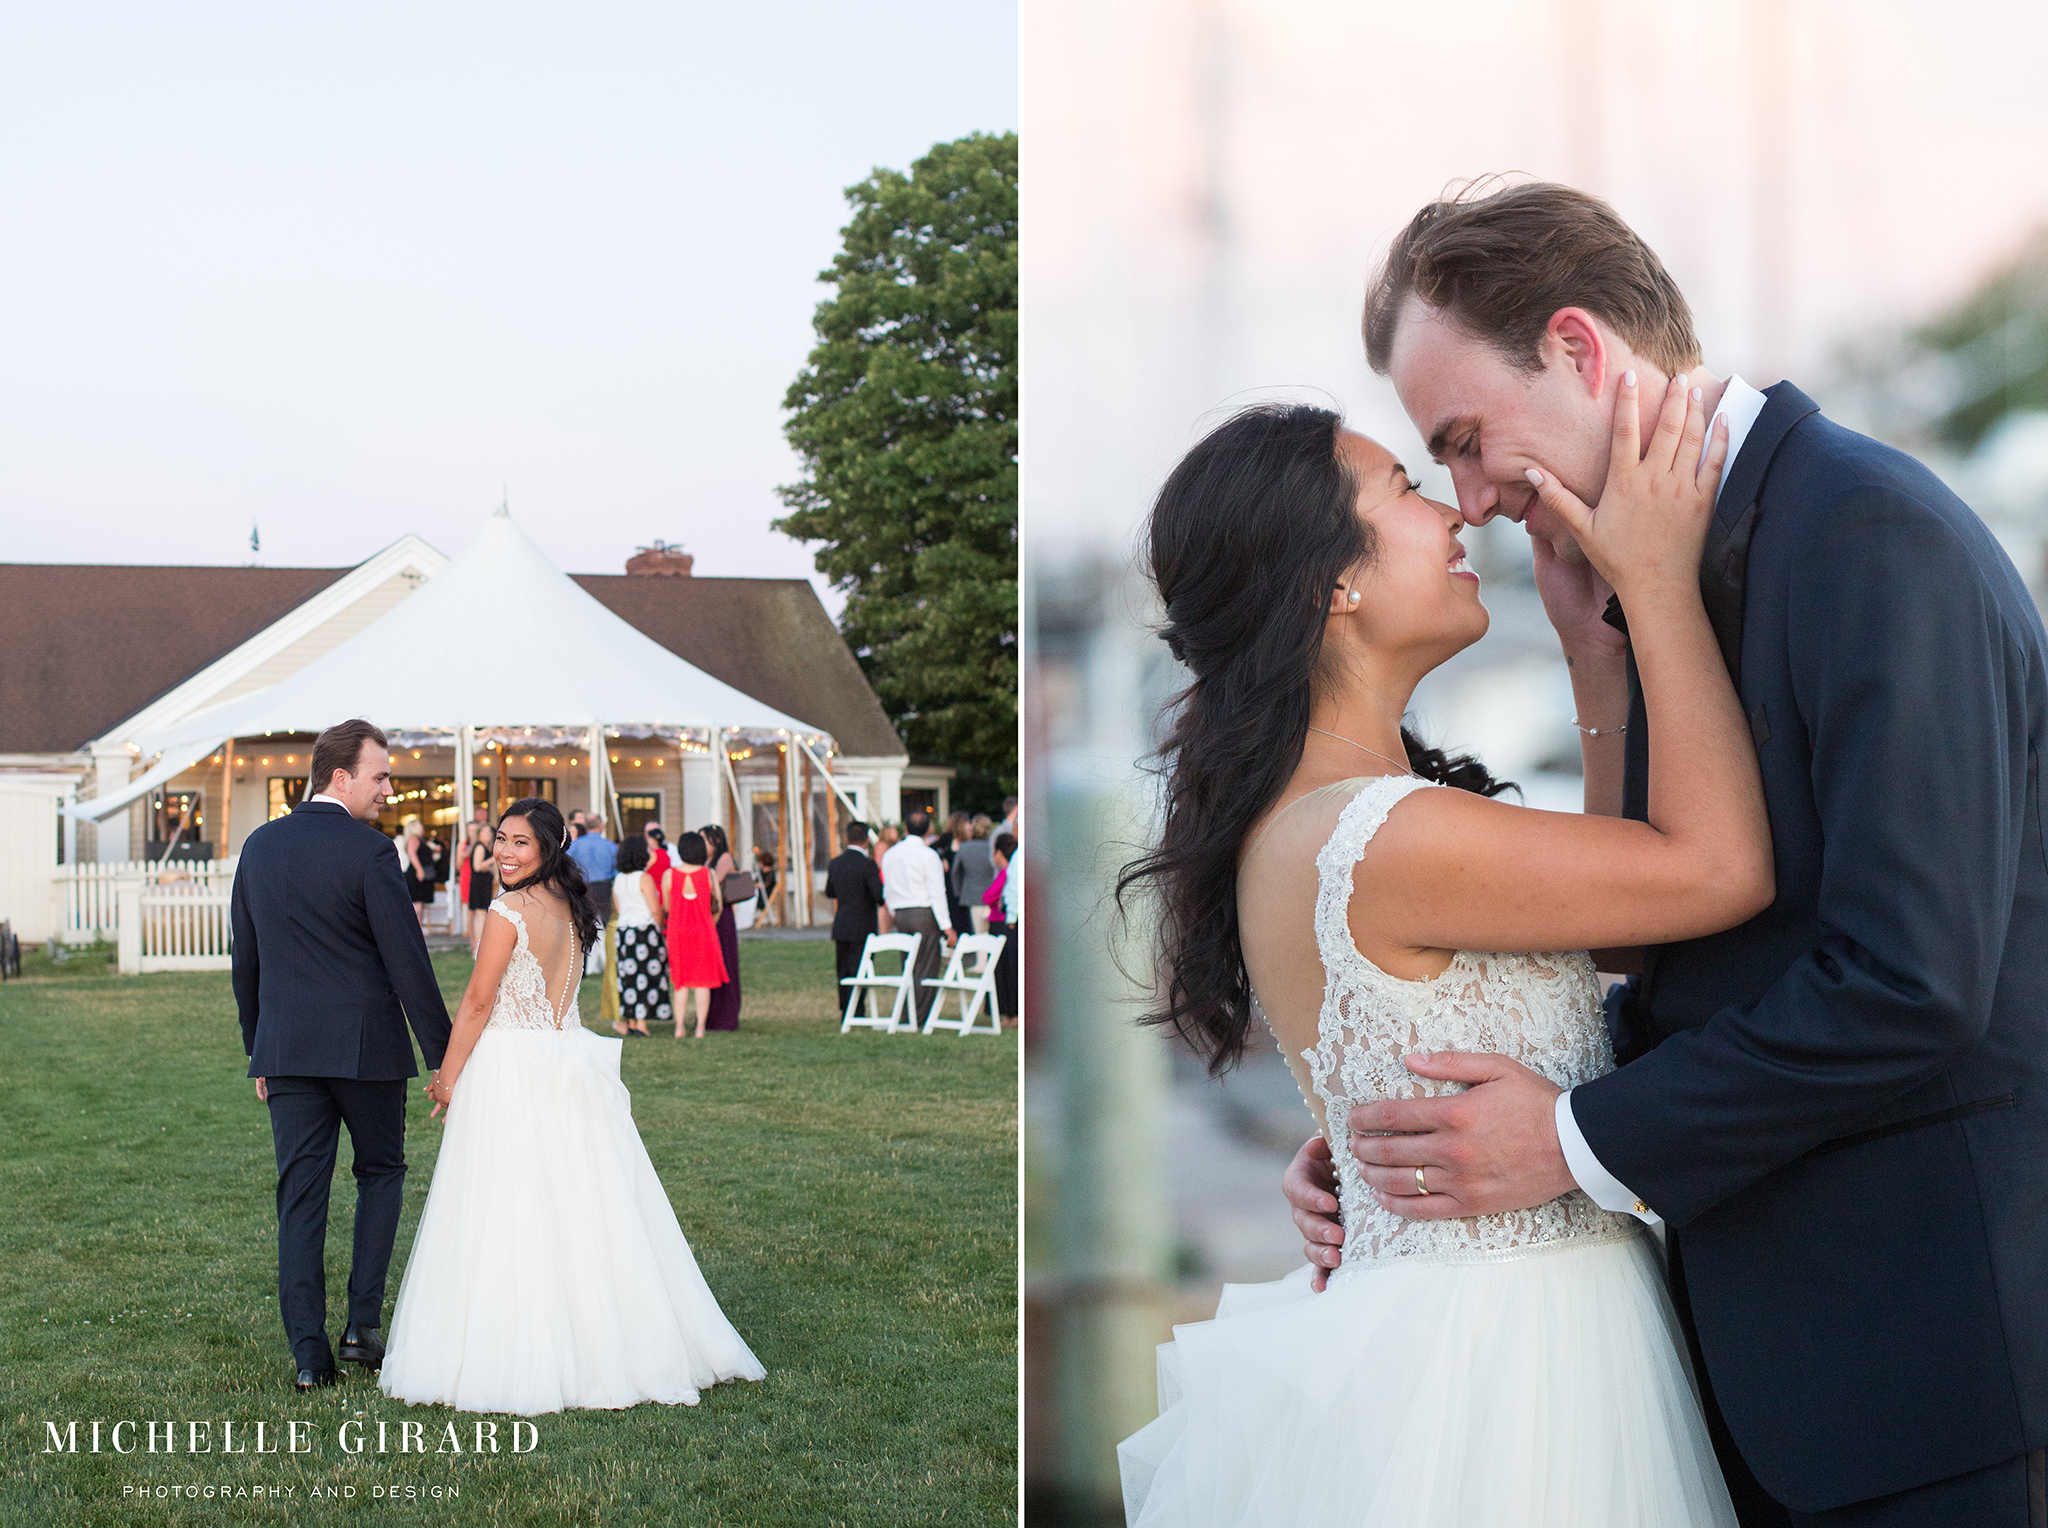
694	958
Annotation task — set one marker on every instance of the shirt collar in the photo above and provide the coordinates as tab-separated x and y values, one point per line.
1741	403
323	796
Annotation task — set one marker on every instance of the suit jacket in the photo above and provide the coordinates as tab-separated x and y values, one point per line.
1841	1106
854	883
974	871
329	963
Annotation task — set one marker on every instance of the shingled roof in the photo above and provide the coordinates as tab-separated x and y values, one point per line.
768	636
84	646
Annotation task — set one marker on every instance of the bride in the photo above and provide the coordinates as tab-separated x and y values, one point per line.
548	1271
1367	896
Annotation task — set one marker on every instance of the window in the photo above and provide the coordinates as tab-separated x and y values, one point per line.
519	790
286	791
636	810
174	809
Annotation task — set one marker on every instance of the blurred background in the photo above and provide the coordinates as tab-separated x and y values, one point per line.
1852	195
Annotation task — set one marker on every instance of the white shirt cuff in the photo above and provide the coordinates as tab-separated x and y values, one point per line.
1600	1185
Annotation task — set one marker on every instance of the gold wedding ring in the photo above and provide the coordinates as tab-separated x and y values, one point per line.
1420	1186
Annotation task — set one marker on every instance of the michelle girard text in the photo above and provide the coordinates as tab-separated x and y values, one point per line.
226	1436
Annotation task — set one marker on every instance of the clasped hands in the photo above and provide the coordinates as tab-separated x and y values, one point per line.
441	1092
1489	1149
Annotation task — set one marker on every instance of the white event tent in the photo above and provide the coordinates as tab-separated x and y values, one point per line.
547	654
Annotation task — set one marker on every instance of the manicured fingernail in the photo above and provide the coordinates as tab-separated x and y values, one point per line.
1534	476
1628	379
1697	394
1680	379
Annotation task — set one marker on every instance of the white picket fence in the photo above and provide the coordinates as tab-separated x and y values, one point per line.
161	918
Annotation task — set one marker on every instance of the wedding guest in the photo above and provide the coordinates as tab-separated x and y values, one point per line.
887	839
660	858
725	1000
640	963
595	855
1005	901
972	870
482	865
914	890
855	886
943	843
695	962
462	870
1010	816
766	874
417	868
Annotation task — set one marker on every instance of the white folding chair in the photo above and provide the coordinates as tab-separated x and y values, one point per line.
973	989
867	980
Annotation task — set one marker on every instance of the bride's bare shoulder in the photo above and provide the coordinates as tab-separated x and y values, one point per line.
1299	822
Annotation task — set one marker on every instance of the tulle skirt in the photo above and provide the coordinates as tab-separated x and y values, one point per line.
549	1271
1547	1390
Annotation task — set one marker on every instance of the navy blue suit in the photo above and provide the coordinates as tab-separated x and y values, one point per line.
329	965
1841	1106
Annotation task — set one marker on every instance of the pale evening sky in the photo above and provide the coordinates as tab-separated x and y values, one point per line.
350	272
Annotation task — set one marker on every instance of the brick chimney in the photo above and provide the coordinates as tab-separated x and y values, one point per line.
660	561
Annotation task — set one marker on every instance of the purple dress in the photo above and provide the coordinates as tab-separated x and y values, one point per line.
725	1001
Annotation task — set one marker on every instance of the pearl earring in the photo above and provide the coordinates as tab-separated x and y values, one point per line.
1354	596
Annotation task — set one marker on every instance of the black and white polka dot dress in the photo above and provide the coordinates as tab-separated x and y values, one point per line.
643	955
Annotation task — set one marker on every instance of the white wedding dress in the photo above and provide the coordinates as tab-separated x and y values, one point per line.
1502	1371
549	1271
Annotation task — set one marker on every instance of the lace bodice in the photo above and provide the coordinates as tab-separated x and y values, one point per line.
1540	1010
523	998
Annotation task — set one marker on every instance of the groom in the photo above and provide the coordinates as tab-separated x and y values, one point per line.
1839	1110
326	950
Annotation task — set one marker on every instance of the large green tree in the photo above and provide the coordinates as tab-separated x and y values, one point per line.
906	419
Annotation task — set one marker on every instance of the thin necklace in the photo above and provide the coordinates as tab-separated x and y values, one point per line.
1363	749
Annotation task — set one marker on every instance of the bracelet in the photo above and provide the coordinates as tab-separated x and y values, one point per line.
1599	731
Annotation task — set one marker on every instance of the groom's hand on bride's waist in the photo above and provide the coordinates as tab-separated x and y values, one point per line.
1489	1149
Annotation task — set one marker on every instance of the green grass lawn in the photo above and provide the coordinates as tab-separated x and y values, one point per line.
852	1201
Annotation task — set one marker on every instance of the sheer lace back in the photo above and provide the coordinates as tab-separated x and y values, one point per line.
1542	1010
526	998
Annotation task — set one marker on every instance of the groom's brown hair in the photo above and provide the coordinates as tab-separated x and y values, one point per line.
341	747
1500	260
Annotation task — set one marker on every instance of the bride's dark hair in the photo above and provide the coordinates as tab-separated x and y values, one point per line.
1249	537
550	836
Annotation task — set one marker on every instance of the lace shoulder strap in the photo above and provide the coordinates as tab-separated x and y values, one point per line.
1356	824
511	915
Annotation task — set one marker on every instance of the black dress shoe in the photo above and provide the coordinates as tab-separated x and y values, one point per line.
313	1379
362	1345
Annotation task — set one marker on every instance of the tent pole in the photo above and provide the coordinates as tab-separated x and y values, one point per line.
465	790
823	761
803	764
785	851
833	837
728	781
594	740
226	844
458	833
